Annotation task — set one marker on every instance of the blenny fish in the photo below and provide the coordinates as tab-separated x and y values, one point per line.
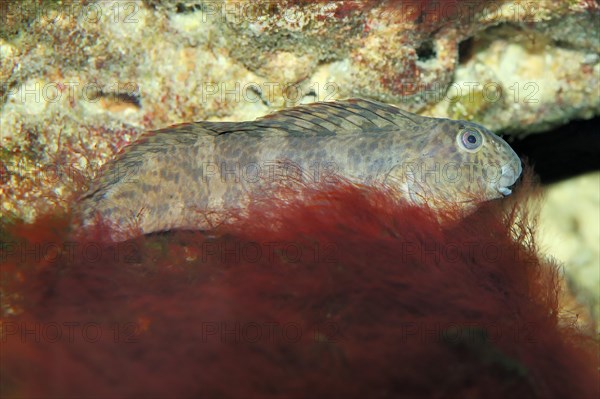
173	178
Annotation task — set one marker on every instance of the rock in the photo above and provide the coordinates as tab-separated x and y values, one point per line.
569	231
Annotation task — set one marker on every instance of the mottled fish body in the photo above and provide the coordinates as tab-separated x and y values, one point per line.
179	176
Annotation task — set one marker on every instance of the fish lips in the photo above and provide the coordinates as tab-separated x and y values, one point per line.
510	174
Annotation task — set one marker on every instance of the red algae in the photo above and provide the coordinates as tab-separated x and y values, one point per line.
344	293
430	15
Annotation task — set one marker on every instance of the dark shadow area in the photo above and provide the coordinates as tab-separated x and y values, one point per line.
465	50
426	51
564	152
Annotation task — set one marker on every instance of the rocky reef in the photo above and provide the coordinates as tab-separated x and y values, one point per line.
86	78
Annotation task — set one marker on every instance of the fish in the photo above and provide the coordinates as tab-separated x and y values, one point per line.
188	175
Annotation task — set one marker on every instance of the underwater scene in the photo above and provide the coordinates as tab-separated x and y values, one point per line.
300	199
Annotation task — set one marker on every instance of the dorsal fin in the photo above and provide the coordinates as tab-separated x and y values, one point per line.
323	118
347	115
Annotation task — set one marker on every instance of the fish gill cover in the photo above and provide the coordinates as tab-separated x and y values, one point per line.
343	292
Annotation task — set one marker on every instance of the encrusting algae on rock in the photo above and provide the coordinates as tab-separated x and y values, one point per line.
173	178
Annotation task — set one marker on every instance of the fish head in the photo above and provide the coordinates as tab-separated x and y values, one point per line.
459	162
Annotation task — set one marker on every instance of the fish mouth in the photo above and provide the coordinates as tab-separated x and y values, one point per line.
510	175
505	191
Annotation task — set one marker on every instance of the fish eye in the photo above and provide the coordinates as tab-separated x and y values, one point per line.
470	139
